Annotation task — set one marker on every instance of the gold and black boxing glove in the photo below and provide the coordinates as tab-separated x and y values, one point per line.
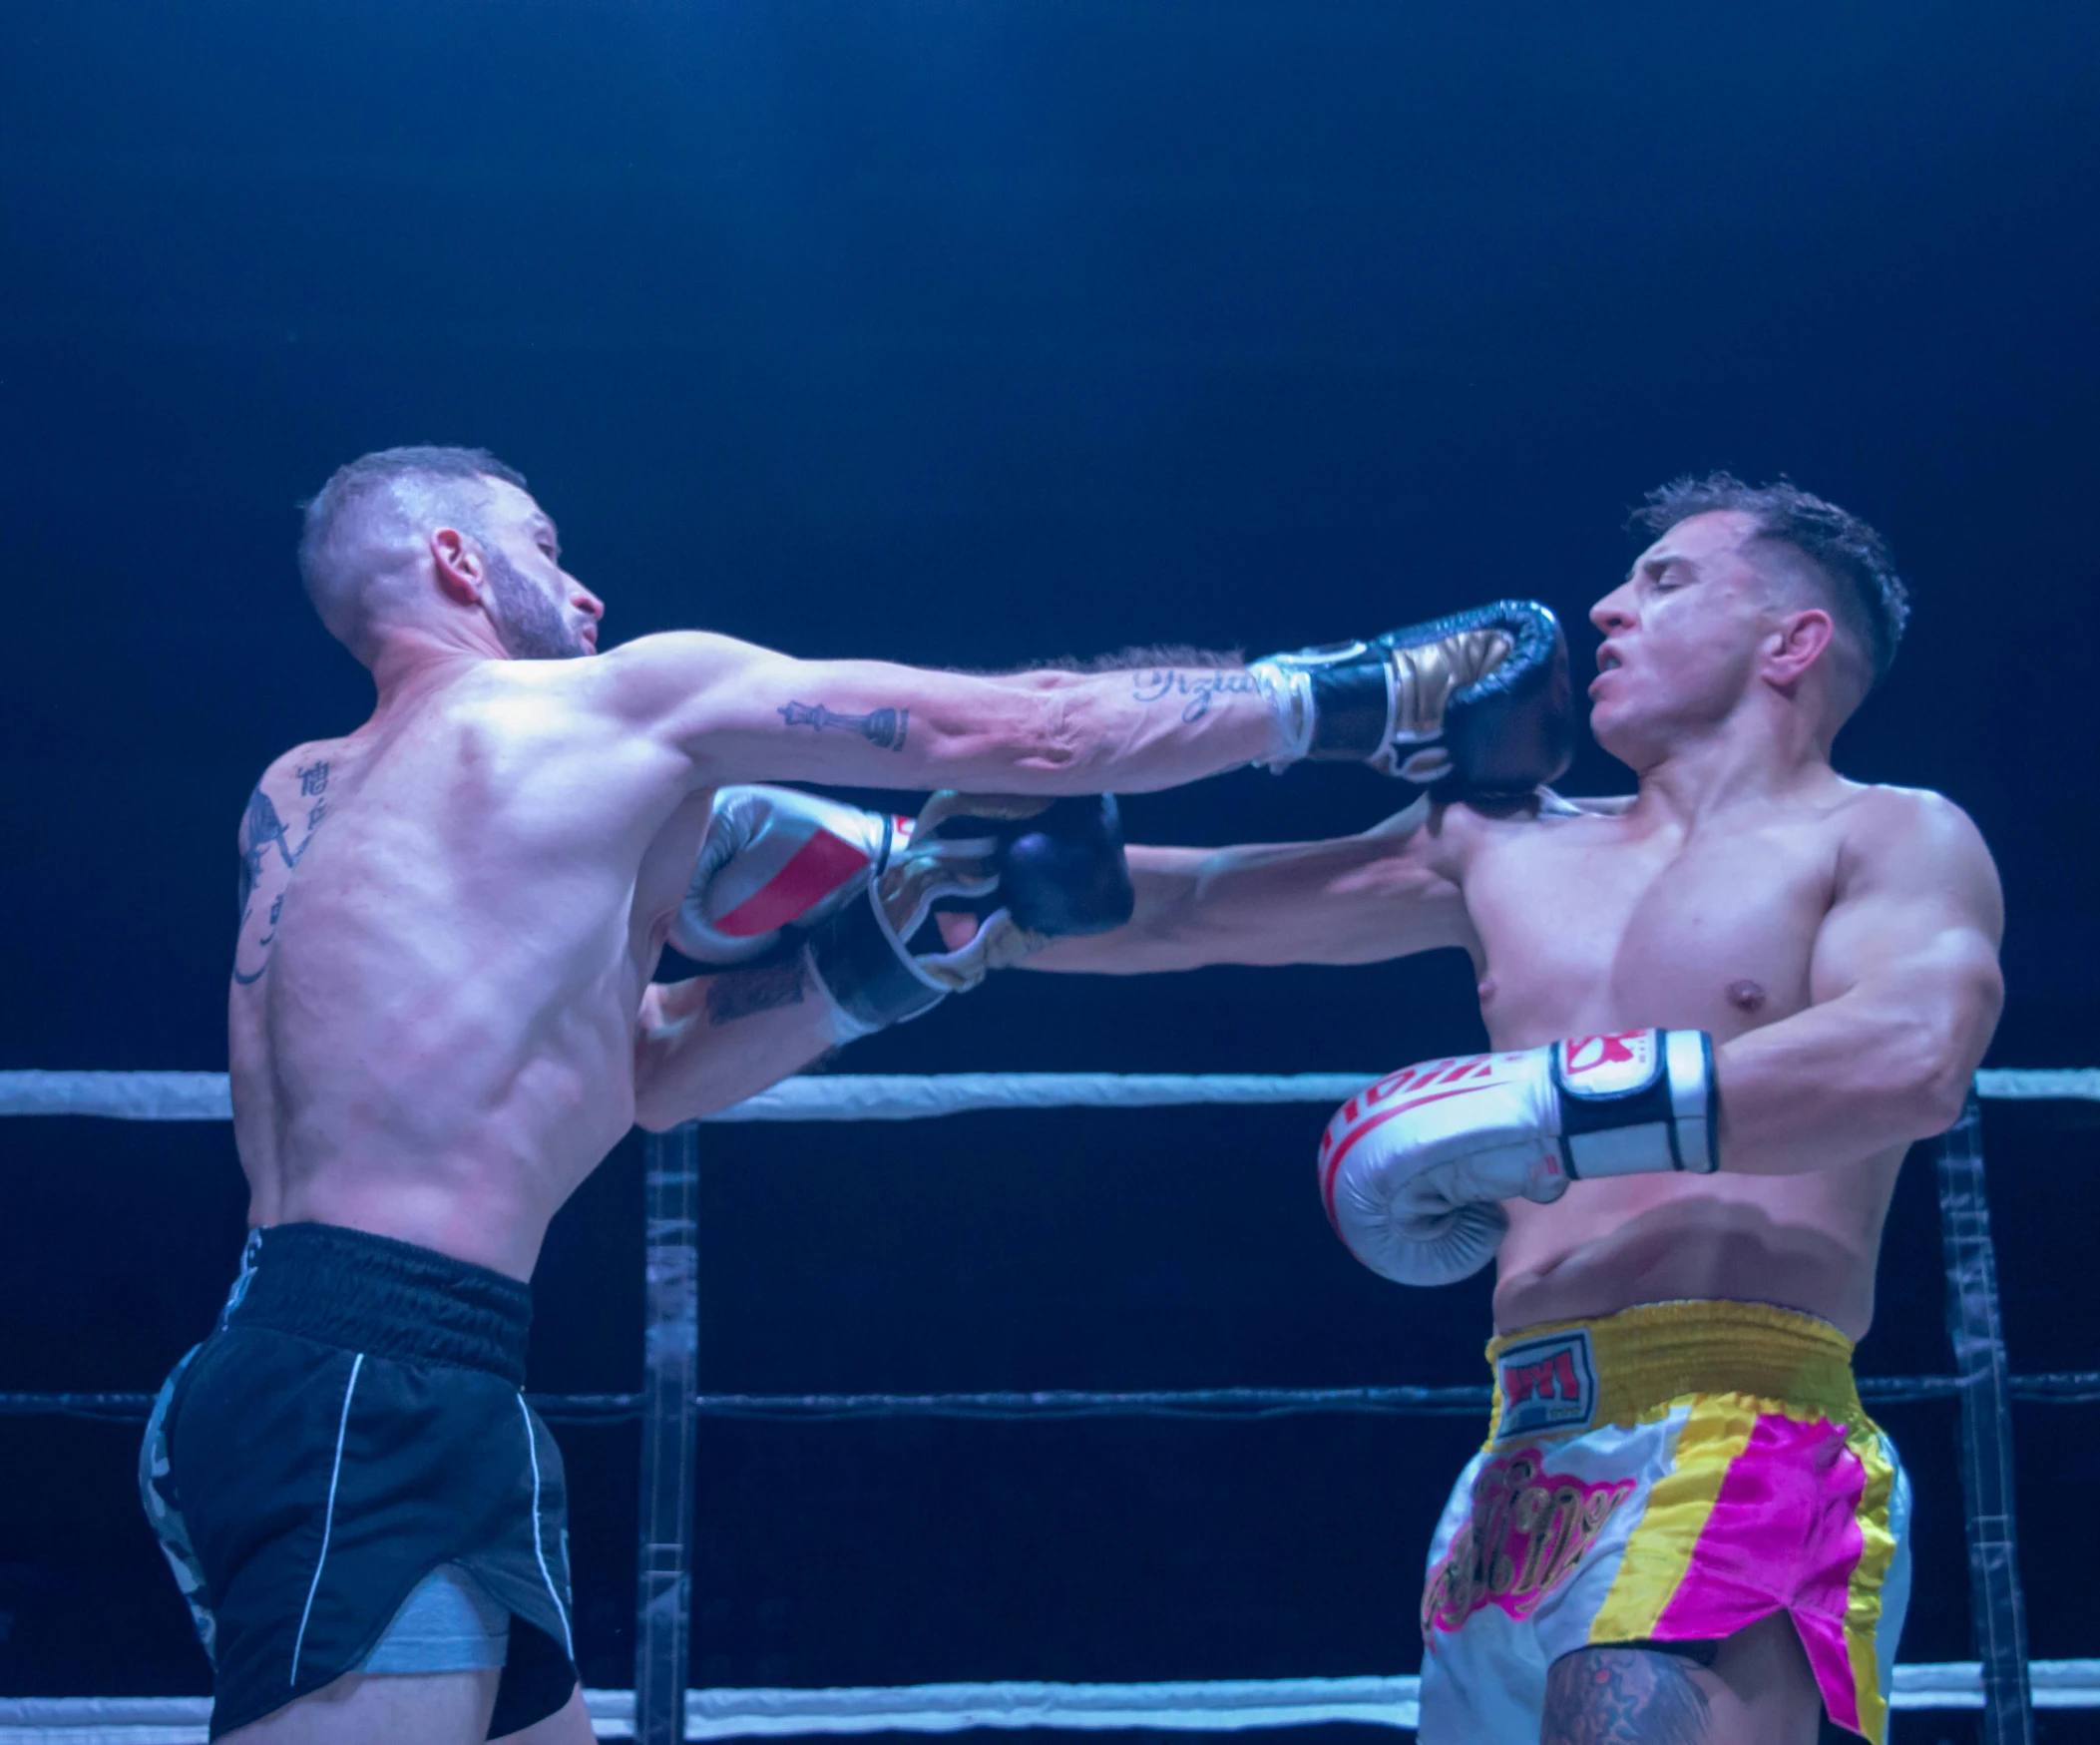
1476	704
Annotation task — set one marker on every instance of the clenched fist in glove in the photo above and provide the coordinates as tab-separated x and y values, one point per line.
862	888
1479	704
1410	1168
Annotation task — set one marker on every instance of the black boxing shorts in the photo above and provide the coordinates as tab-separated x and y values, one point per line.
352	1428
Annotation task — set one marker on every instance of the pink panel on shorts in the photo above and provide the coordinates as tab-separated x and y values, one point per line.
1784	1535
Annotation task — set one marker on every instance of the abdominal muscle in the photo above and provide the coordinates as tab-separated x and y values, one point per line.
1805	1242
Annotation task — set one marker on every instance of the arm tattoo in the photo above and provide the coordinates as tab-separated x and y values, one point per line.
1623	1696
1192	689
734	994
882	728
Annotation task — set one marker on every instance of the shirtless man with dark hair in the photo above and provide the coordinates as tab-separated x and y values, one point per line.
1723	1009
443	1018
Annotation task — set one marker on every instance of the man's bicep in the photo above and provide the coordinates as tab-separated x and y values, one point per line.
1920	902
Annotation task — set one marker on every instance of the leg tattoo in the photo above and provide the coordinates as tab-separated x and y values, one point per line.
1623	1696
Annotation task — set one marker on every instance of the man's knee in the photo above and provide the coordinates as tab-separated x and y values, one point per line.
1629	1696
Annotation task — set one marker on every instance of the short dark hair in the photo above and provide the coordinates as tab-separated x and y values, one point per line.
385	482
1870	599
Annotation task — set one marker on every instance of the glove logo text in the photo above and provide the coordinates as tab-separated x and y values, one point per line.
1609	1065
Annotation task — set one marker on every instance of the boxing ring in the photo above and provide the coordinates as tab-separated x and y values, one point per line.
661	1710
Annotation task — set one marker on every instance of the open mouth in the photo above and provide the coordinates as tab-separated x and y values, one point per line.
1607	661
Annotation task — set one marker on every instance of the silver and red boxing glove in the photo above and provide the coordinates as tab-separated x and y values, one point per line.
773	857
860	890
1477	705
1410	1167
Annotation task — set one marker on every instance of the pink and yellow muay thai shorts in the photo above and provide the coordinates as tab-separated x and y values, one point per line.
1670	1473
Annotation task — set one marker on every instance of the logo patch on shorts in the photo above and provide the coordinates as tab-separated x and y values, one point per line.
1547	1385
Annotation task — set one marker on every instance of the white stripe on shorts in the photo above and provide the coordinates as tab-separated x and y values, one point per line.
335	1474
532	1445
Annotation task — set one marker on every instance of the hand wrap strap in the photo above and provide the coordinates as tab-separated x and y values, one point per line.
1030	870
1637	1103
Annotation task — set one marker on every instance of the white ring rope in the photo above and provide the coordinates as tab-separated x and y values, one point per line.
1222	1705
865	1096
1225	1706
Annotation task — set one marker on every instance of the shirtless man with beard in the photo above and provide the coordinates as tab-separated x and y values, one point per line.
443	1018
1722	1011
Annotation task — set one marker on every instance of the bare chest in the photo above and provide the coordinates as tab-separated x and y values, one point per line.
1592	924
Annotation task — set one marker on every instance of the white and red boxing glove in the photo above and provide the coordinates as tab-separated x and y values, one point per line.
1410	1167
772	856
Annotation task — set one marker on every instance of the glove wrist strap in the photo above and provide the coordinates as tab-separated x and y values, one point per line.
869	972
1642	1102
1333	704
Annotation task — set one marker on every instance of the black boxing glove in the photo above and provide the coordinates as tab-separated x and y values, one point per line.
1064	872
1030	870
1477	704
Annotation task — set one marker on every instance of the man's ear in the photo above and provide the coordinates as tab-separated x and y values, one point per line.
459	565
1796	644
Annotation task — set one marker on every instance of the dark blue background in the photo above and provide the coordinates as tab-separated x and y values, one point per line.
971	331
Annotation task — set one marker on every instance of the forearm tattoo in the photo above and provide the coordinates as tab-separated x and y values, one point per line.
1194	690
266	858
734	994
882	728
1623	1696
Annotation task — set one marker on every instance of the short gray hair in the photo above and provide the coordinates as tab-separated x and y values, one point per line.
404	482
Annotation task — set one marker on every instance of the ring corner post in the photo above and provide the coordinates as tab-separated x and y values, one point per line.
1975	1332
670	1384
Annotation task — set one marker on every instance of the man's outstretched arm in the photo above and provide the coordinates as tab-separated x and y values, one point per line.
1387	893
744	714
1907	992
1479	699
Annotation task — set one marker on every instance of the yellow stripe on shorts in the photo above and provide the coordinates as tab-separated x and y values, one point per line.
1716	1429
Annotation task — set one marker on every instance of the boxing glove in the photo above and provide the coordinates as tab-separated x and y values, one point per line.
773	856
1410	1167
1476	704
860	889
1030	870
